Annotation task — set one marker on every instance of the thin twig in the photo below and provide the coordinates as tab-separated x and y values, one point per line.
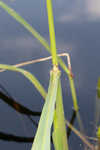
82	137
41	60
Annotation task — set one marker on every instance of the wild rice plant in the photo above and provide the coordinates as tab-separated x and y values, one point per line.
53	112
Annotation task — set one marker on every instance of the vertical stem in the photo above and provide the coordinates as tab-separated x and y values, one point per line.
73	91
52	32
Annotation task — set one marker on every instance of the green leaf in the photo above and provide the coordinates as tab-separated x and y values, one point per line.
59	133
44	43
28	75
23	22
98	88
42	138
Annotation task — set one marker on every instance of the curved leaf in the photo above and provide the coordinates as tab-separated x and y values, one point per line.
28	75
42	138
22	21
44	43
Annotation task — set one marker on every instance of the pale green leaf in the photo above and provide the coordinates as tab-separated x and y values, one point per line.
22	21
44	43
42	138
59	131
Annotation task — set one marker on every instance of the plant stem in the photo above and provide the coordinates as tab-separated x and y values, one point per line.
52	33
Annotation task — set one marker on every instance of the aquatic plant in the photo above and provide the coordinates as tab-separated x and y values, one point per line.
53	111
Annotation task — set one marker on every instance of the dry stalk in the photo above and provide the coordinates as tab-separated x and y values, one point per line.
82	137
41	60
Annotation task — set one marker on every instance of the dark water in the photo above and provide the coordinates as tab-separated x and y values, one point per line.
77	27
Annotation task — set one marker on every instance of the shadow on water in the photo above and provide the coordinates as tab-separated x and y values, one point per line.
8	99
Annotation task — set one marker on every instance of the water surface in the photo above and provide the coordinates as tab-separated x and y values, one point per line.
77	28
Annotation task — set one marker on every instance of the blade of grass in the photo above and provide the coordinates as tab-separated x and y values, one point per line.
22	21
28	75
74	97
42	138
44	43
59	133
52	32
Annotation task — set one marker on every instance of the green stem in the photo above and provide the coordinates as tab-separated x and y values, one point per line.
44	43
52	32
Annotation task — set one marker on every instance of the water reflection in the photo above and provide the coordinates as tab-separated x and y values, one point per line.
72	123
77	26
7	98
